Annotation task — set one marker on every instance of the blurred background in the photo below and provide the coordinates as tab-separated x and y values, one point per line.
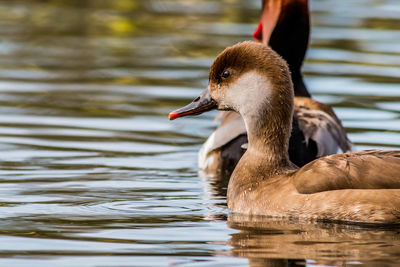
92	172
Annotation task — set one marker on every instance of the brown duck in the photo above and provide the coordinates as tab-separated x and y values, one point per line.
253	80
316	131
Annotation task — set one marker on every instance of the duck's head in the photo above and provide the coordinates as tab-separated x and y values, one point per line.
249	78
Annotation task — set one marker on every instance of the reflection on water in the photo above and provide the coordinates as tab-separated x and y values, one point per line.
93	173
271	242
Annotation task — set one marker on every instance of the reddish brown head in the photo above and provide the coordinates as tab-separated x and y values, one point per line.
249	75
253	80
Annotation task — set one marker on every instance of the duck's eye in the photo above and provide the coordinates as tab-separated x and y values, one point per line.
225	74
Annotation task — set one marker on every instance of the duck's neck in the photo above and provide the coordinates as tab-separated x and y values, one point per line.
290	35
268	127
268	130
268	140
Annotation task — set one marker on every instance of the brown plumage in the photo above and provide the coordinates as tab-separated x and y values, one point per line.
316	130
357	187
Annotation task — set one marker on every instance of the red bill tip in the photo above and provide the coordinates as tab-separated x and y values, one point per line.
257	34
173	116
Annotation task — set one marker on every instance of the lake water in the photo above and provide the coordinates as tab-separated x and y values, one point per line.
92	172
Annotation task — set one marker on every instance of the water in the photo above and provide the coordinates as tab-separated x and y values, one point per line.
92	172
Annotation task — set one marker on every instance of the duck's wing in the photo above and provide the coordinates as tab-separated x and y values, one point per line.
319	123
371	169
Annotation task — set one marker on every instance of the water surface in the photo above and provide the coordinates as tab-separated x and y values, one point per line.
92	172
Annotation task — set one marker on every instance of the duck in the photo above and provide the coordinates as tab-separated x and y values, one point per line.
316	130
254	81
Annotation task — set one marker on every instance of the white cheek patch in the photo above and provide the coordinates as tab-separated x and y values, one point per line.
248	92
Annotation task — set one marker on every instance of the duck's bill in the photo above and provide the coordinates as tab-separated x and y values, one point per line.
257	34
201	104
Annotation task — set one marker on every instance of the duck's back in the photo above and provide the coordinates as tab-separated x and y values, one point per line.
370	169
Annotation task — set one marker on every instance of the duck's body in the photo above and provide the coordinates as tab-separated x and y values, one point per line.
368	206
316	131
330	188
359	187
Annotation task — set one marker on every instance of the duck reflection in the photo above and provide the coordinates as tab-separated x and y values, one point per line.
216	185
277	242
